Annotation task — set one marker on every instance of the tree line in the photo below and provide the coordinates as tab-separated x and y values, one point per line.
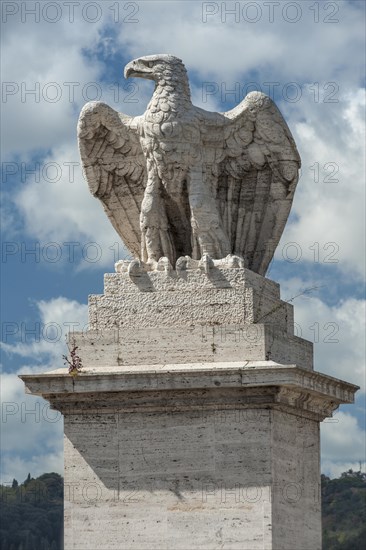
32	513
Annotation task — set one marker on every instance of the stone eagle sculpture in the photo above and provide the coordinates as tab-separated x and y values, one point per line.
181	181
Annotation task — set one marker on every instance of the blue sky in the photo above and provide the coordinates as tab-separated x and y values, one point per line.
57	242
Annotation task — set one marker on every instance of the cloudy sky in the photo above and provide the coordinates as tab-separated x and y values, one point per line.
57	242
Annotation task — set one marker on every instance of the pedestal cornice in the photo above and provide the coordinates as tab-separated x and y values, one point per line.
193	386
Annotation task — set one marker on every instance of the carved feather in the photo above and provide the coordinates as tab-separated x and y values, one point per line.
261	156
115	168
222	182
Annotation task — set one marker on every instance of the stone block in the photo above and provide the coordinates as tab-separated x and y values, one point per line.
165	299
194	422
196	343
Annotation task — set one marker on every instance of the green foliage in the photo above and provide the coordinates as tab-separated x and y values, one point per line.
32	514
75	363
344	511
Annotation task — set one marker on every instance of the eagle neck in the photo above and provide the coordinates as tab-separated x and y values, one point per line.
172	90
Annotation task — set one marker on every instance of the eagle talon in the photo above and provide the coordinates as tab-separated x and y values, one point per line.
180	180
164	265
206	263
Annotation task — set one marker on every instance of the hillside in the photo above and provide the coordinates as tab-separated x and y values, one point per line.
32	513
344	511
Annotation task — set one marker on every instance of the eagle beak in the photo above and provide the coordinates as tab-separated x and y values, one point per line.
138	68
129	70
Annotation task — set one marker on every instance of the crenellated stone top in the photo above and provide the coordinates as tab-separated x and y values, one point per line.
184	263
154	314
205	292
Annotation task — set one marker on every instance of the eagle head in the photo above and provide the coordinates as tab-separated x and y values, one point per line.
154	67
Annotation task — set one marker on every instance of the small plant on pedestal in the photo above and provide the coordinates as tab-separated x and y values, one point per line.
74	363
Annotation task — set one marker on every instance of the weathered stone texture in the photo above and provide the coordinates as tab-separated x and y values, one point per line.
155	298
296	471
249	342
199	480
194	423
170	317
179	181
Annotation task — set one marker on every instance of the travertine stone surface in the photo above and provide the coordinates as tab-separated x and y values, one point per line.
156	298
194	422
180	181
159	317
199	456
133	346
159	387
194	480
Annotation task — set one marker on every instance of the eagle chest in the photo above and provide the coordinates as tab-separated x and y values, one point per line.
228	178
170	141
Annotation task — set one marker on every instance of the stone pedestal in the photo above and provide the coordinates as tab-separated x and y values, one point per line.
195	421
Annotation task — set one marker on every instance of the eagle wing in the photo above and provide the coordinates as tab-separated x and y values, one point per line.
254	176
114	167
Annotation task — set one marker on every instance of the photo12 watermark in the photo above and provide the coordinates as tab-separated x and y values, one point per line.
71	252
92	252
290	492
291	92
32	92
71	12
68	171
270	12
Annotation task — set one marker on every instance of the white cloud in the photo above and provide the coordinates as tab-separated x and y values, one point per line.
50	74
343	445
225	47
65	211
325	132
337	332
32	433
45	59
58	316
14	467
27	420
330	198
305	52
